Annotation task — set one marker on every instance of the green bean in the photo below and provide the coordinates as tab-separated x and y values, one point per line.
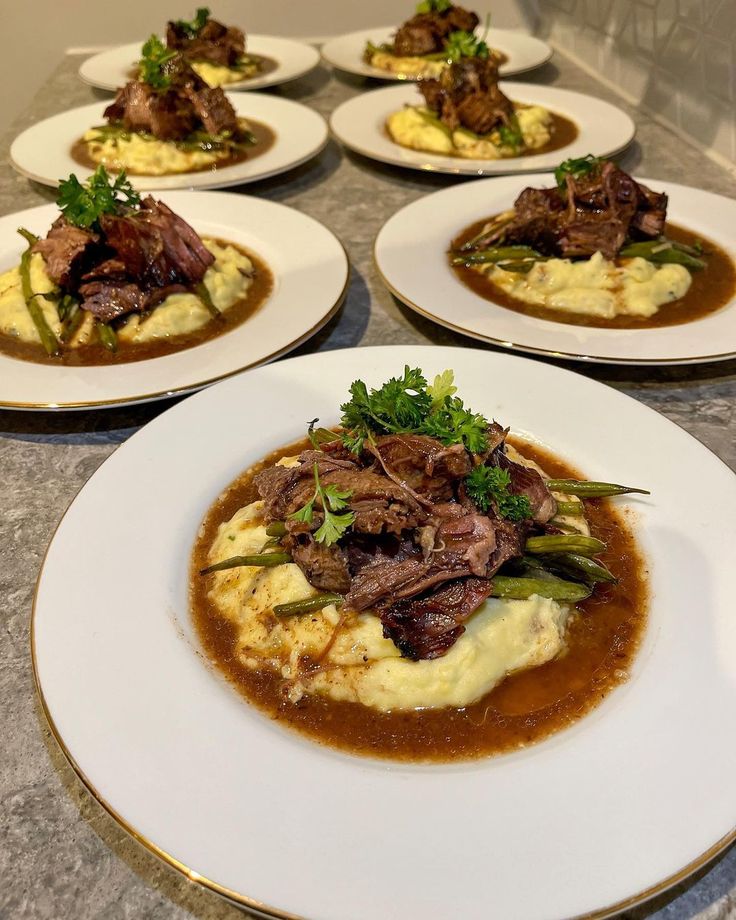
492	226
590	489
554	588
319	436
565	543
498	254
276	529
72	321
661	251
258	559
570	508
434	121
574	564
204	295
309	603
45	332
565	528
107	336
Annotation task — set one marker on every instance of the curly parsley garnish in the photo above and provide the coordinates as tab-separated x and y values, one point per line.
194	27
82	205
577	168
154	54
331	499
434	6
489	485
465	44
409	405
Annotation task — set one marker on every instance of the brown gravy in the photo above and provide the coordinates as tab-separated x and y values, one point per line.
265	139
711	289
563	131
96	354
525	708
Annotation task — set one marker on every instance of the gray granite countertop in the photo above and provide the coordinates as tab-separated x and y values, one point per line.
61	855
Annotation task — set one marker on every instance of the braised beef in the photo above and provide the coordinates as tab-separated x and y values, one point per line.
426	33
426	627
214	43
107	300
593	213
65	249
466	94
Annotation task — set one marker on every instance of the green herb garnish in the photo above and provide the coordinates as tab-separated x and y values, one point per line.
154	54
464	44
409	405
487	485
82	205
434	6
331	499
510	135
577	168
194	26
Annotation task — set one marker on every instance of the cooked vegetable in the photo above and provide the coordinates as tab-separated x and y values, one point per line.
497	255
510	134
107	336
489	485
331	499
570	508
464	44
408	405
577	168
308	604
234	562
82	205
663	251
434	6
45	332
577	566
590	489
276	529
434	121
554	588
565	543
204	295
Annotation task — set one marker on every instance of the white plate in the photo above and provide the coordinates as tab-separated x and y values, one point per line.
360	123
43	151
524	52
620	804
411	254
111	69
310	270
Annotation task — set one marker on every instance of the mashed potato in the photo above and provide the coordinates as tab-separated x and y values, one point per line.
145	155
220	75
411	127
361	666
595	286
408	66
227	280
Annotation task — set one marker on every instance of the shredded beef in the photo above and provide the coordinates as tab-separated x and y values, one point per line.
466	94
214	43
427	627
426	33
64	250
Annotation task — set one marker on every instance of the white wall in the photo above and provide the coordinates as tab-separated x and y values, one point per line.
36	33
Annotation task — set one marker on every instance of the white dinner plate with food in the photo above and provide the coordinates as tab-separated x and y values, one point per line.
519	52
287	60
293	135
412	252
590	125
242	804
295	282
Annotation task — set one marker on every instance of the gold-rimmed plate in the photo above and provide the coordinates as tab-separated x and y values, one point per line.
411	255
310	271
233	799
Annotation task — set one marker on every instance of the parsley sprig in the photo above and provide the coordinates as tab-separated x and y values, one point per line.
154	55
577	168
194	26
489	485
434	6
409	405
465	44
83	204
331	499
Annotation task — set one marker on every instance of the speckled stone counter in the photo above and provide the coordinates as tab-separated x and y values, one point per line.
61	856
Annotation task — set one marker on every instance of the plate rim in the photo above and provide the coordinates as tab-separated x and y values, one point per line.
101	404
557	354
396	78
239	86
183	186
267	910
